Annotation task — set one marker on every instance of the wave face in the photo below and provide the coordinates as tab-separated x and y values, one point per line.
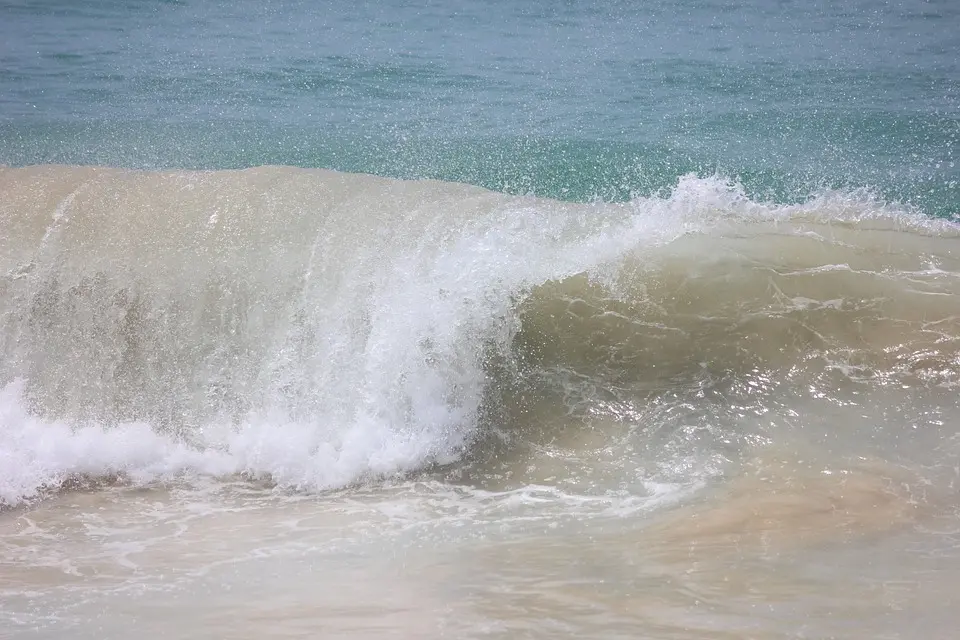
316	328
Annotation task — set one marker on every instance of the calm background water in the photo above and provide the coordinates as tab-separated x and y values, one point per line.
566	99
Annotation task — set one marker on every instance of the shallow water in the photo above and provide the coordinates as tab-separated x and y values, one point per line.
684	416
479	319
796	556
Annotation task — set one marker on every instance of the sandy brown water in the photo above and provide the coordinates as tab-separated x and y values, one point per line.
784	549
285	403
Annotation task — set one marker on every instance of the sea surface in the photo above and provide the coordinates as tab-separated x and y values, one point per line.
479	319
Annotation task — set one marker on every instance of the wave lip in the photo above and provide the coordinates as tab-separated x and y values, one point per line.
321	328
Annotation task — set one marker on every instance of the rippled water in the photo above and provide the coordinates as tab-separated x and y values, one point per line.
565	100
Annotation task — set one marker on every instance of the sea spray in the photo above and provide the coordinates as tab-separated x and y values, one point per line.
317	328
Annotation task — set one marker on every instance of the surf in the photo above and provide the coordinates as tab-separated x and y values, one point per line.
318	329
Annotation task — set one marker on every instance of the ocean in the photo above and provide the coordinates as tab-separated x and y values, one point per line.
479	319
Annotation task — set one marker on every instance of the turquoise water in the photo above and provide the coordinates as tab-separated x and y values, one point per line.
562	99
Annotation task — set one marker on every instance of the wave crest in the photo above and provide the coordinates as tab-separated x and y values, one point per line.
320	328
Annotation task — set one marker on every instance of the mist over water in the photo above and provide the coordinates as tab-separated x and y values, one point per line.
479	319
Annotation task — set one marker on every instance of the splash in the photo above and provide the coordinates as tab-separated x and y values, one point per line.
318	329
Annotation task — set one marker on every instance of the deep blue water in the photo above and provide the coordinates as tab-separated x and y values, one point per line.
575	100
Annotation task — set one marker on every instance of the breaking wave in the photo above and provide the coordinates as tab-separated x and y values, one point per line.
317	329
